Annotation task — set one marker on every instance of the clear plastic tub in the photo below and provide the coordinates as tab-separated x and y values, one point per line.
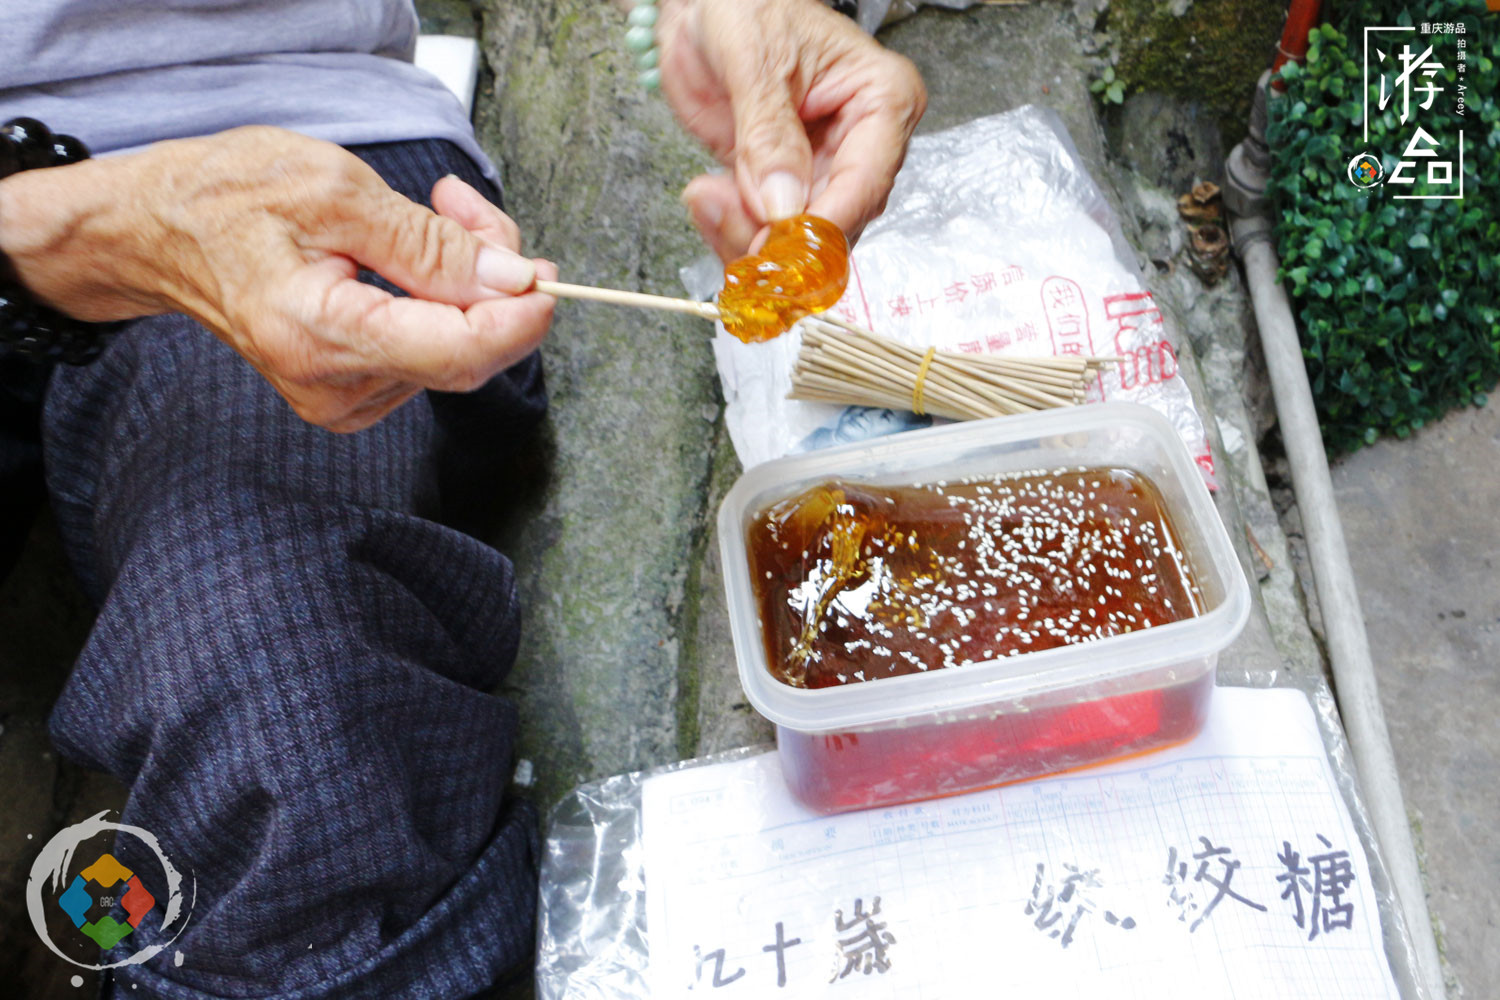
942	732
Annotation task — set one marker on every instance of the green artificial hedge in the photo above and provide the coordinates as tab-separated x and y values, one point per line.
1396	299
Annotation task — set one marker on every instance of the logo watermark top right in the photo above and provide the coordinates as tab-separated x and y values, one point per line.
1403	75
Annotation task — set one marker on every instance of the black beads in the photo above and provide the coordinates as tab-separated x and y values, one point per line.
66	149
32	141
10	156
34	331
29	329
27	144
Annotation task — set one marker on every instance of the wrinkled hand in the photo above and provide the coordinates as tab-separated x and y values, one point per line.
807	111
259	233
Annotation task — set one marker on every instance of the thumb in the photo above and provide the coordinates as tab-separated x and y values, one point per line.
431	256
773	158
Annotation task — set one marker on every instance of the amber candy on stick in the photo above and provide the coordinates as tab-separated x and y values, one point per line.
803	268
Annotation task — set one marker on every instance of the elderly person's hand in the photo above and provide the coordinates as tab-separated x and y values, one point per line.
807	111
259	234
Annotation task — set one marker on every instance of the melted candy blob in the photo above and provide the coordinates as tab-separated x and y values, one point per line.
857	582
802	268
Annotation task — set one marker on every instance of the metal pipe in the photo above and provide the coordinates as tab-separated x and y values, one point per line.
1246	174
1301	18
1343	621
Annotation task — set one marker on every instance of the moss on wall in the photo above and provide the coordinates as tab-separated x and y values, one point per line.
1208	51
448	17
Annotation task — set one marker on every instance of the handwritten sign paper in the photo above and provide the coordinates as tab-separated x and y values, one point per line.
1227	867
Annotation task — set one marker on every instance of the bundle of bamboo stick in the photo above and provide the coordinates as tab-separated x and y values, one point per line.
842	363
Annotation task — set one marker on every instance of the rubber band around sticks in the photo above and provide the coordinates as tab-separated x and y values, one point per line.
916	391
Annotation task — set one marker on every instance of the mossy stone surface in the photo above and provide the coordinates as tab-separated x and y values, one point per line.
986	60
592	168
1209	52
626	660
449	17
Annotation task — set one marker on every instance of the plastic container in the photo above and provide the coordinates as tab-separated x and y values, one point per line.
917	736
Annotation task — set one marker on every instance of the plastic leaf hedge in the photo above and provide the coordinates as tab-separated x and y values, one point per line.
1396	298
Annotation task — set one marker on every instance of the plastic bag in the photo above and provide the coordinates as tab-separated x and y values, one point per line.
996	240
593	940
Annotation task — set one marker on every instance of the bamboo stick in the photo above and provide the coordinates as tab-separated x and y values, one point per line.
842	362
638	300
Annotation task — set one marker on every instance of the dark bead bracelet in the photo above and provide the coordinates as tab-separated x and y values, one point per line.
27	327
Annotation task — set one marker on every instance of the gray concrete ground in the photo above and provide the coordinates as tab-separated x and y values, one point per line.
626	659
1424	540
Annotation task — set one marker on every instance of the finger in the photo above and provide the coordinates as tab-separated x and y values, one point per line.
772	155
864	126
454	199
428	344
718	212
427	254
861	172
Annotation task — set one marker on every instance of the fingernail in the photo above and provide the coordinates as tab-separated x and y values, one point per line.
504	272
782	195
710	212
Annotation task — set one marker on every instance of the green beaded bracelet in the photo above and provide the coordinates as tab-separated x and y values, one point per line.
641	39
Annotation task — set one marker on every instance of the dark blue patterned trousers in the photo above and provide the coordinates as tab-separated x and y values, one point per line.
290	664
